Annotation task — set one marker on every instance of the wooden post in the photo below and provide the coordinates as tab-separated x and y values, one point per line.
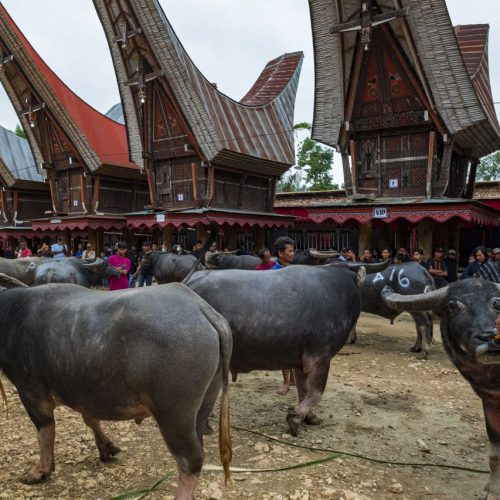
469	192
352	146
67	239
201	232
92	239
167	236
425	242
259	238
365	236
430	162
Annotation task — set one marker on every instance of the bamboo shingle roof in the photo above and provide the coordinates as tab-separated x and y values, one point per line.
254	133
440	57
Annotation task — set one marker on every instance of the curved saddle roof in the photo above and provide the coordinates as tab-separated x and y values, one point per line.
99	140
257	130
440	56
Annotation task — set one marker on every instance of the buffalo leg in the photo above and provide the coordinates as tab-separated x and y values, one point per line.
106	448
311	383
311	418
492	417
423	325
181	433
42	416
203	426
353	337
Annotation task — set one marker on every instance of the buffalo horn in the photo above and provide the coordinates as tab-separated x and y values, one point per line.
370	268
93	263
10	282
413	303
322	255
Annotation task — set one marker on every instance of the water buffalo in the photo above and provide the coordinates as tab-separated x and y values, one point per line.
170	267
408	278
21	269
77	271
312	257
122	355
231	261
468	311
296	318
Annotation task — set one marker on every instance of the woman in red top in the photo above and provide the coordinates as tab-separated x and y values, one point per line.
265	260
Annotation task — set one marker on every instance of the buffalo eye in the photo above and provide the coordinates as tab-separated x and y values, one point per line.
456	306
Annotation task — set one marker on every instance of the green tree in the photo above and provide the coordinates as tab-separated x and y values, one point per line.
489	168
315	161
20	131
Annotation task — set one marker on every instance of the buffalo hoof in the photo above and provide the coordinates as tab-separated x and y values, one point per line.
108	451
415	348
35	477
293	423
208	430
313	420
424	356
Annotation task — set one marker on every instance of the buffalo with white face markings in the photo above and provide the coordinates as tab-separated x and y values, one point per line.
22	269
130	354
407	279
468	311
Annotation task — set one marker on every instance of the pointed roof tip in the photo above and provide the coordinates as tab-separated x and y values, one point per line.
274	78
106	137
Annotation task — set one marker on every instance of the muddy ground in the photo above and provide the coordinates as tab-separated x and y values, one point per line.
380	402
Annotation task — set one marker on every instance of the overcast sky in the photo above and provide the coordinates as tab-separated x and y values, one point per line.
229	40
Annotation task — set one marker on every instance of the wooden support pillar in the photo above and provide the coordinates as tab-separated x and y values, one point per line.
471	184
454	236
352	146
365	236
425	229
99	242
128	236
259	238
230	237
92	238
384	237
430	163
67	239
201	232
167	236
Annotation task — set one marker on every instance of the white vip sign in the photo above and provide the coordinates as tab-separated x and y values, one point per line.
380	213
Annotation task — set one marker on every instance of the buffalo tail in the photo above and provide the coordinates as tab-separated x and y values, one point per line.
225	341
4	396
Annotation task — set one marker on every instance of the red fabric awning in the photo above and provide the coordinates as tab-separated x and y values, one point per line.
83	223
468	212
152	221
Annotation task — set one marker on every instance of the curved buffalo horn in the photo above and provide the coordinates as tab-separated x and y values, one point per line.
413	303
93	263
322	255
370	268
10	282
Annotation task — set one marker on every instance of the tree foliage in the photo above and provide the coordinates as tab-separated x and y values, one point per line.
313	171
20	131
489	168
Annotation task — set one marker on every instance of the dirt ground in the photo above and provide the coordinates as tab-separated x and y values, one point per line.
380	402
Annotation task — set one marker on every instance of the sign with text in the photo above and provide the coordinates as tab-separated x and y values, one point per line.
380	213
160	217
55	221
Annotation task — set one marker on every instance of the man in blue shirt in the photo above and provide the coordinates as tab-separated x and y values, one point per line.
59	249
285	251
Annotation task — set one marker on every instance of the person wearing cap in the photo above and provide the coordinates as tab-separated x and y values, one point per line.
145	269
451	264
59	249
437	268
122	265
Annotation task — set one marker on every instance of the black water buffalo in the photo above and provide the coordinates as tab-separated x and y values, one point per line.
468	311
85	273
21	269
406	279
295	318
312	257
231	261
170	267
122	355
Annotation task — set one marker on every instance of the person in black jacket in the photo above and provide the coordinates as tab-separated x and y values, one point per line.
451	264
